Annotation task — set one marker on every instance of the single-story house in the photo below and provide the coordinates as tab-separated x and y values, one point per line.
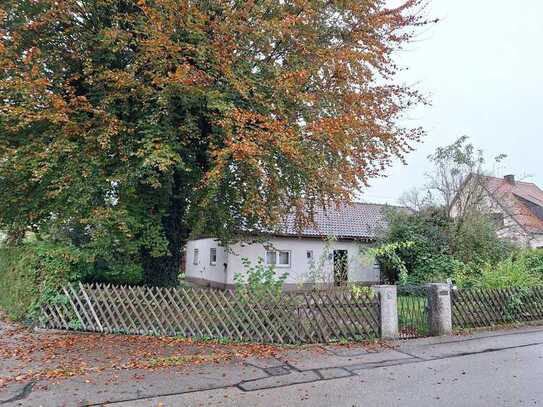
330	252
516	206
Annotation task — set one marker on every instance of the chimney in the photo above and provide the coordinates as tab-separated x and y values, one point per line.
510	179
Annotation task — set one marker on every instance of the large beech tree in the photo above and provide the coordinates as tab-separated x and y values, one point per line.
139	122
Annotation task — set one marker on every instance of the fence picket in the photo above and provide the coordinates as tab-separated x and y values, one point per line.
233	325
74	307
178	314
91	307
324	334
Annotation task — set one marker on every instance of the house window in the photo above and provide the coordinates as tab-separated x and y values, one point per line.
195	261
309	254
271	258
278	258
212	256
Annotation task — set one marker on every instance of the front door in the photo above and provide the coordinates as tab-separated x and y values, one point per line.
340	267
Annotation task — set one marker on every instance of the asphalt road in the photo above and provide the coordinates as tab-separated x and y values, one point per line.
502	370
487	369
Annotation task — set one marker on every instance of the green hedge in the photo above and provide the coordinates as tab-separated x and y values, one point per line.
31	273
521	270
17	282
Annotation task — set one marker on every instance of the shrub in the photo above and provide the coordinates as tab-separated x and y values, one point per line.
474	240
515	271
435	269
533	260
439	247
259	279
118	272
392	264
31	274
427	232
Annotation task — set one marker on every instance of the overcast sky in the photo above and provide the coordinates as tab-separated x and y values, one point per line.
482	66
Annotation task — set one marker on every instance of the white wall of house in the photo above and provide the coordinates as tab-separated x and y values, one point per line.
301	270
203	270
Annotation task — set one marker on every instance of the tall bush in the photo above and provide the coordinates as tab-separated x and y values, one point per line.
32	273
473	239
511	272
533	260
522	269
440	247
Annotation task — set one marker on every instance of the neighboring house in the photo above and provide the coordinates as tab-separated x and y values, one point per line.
329	253
516	206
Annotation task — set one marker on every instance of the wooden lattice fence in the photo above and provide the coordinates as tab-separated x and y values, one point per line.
488	307
308	317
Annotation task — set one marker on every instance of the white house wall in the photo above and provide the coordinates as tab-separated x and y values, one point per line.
205	273
300	273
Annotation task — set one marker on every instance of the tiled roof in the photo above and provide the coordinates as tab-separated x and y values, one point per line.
523	201
353	221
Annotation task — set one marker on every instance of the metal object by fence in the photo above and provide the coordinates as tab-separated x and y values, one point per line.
307	317
412	311
473	308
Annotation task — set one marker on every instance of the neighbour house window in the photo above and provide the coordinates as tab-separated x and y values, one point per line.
279	258
212	256
309	254
196	255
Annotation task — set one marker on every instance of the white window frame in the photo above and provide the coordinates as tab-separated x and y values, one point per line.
277	253
196	257
211	261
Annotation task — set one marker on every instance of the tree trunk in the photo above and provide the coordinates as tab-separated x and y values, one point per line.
164	271
161	271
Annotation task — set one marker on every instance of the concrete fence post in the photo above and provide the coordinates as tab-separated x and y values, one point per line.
439	309
389	310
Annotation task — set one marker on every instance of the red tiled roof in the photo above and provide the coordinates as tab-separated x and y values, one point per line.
523	201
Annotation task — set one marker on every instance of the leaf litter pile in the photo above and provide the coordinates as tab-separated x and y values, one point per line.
26	355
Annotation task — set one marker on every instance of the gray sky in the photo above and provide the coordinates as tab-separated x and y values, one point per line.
482	66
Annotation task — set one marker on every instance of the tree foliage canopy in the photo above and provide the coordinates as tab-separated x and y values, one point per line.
130	124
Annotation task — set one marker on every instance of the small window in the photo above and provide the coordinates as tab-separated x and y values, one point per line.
271	258
212	256
196	255
278	258
284	259
309	254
